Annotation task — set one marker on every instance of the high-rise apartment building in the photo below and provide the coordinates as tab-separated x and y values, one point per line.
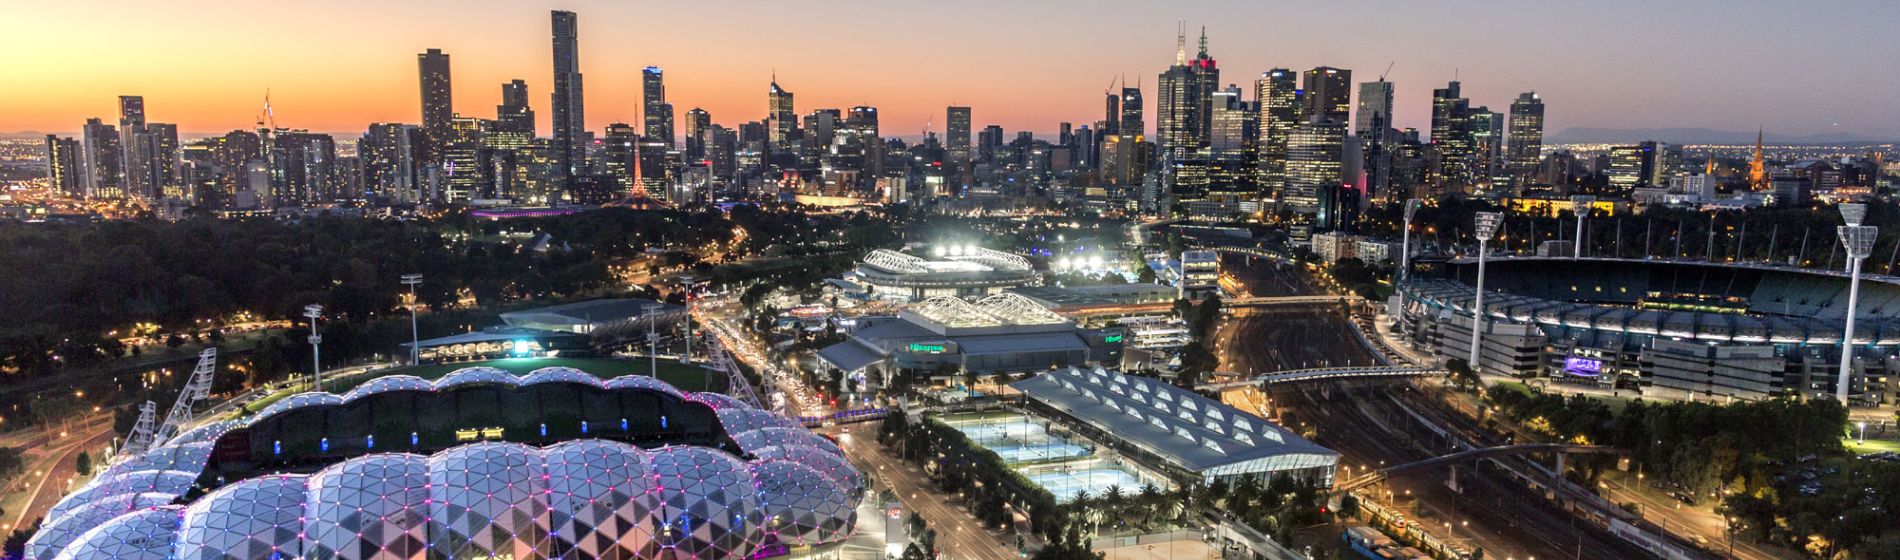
513	116
1451	140
1184	102
781	117
570	121
62	166
1315	152
698	126
102	161
437	104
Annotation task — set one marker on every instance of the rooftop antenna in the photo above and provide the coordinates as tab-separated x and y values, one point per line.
1180	42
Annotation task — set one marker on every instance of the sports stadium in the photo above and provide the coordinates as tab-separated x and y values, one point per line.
959	271
480	463
1675	329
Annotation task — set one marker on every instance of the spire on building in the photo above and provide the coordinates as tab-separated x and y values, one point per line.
1180	43
1757	168
1203	41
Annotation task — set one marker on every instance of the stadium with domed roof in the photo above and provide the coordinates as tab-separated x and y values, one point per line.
479	463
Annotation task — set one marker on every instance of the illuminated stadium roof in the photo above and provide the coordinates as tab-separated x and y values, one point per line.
588	498
889	272
1189	431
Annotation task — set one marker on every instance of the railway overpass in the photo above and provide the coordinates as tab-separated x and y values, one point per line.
1291	300
1561	449
1329	374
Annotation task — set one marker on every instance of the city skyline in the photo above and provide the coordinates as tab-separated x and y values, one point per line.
322	81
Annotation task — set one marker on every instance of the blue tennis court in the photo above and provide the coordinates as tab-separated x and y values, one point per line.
1015	454
1066	485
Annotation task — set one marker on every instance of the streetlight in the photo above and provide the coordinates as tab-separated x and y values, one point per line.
415	343
313	311
653	339
1580	205
1487	226
1859	242
1863	431
1405	245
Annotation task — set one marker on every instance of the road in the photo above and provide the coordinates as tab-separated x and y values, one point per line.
50	470
958	534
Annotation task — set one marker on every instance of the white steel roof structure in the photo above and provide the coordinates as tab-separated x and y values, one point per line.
1191	432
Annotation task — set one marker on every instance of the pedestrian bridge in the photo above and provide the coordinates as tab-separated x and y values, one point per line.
1561	449
1327	374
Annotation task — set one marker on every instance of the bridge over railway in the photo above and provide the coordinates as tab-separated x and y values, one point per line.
1291	300
1329	374
1561	449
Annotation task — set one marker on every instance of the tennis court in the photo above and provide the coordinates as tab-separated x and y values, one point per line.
1065	484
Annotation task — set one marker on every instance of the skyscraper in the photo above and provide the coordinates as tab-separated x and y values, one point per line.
781	117
1327	94
1487	144
956	146
134	150
1229	131
1183	102
570	121
1451	140
62	166
1277	96
1132	123
698	127
1315	152
1112	119
390	167
657	113
513	116
1526	141
437	106
1374	118
101	162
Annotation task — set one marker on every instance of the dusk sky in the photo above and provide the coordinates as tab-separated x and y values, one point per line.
1803	68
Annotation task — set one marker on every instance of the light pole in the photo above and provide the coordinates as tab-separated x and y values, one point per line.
313	311
653	339
1581	206
1859	241
415	342
1487	225
1405	244
1863	431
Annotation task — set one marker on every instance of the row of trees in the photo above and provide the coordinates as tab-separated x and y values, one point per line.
1757	456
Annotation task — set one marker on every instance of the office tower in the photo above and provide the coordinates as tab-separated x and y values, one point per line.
863	124
390	169
1230	130
62	166
437	108
134	151
989	143
620	156
698	126
102	161
513	116
461	159
1487	144
1132	123
1277	95
781	117
1374	118
1112	118
1451	140
1315	152
1327	94
570	122
1183	102
658	114
1526	137
1633	165
956	165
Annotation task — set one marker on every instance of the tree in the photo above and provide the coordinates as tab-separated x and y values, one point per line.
1349	506
83	464
1461	373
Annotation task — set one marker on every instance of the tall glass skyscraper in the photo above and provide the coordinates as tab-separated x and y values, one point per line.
1526	137
570	120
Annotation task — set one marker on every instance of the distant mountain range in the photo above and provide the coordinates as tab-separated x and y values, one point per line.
1585	135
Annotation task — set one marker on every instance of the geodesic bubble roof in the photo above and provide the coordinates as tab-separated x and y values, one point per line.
708	506
174	483
753	440
386	384
643	382
832	466
473	375
63	530
298	400
718	401
802	506
562	375
146	534
741	420
255	518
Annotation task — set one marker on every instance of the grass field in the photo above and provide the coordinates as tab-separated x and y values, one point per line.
685	377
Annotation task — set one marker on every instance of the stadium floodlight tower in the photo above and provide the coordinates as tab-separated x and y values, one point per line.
1859	242
313	311
1405	243
652	312
415	342
1581	206
1487	226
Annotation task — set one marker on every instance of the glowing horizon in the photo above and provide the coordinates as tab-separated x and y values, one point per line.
340	66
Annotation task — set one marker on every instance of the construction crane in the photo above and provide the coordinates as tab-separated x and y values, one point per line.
1388	70
195	390
142	431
